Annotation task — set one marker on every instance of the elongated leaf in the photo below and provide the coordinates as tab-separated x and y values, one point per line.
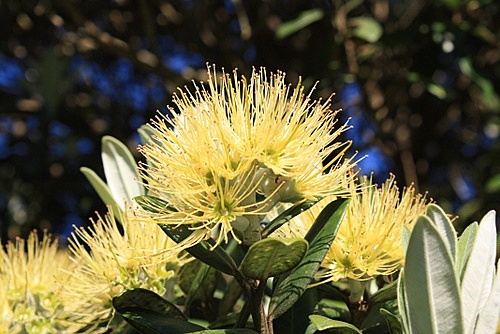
320	237
205	251
430	283
393	321
388	292
286	216
103	191
303	20
402	303
121	171
323	323
366	28
445	227
487	321
148	301
272	256
464	248
226	331
146	133
148	322
479	273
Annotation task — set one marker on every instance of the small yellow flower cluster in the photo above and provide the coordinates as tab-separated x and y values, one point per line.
369	240
235	148
110	259
29	295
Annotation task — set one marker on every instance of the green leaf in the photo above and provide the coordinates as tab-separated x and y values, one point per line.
392	320
431	286
146	133
203	285
205	251
402	303
147	300
493	185
323	323
464	248
487	321
444	226
148	322
479	272
121	171
226	331
388	292
303	20
320	237
366	28
286	216
273	256
103	191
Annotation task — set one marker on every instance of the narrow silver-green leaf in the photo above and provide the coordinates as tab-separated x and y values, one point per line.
431	286
392	320
273	256
464	248
323	323
146	133
479	272
487	321
402	303
444	226
103	191
120	169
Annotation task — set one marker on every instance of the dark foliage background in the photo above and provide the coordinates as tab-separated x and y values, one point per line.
419	80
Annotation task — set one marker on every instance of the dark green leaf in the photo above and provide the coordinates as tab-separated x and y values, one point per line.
388	292
393	321
272	256
148	322
320	237
226	331
286	216
146	300
205	251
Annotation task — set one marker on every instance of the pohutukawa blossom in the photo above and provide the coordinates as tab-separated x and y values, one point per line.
29	295
234	147
110	260
369	240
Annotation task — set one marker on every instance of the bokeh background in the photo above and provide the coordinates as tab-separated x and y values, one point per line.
419	80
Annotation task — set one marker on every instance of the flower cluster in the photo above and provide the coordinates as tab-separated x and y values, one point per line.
109	259
369	241
236	148
30	299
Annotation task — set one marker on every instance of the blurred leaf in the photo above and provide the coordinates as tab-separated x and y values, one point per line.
272	256
444	226
323	323
103	191
464	248
320	237
146	133
366	28
226	331
453	4
430	284
479	273
437	90
493	184
148	301
488	95
121	171
303	20
286	216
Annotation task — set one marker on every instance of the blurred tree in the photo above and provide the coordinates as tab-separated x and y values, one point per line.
419	81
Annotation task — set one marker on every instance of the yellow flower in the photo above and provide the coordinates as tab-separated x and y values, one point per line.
235	148
369	240
29	296
111	259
